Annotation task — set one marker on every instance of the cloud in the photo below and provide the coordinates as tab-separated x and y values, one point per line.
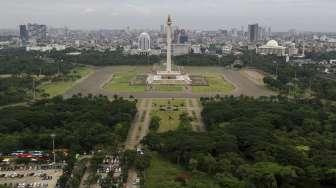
89	10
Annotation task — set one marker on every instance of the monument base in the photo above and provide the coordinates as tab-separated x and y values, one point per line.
169	77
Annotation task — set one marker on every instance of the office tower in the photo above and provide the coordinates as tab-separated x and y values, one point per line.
24	34
37	32
183	38
162	28
176	35
253	32
144	41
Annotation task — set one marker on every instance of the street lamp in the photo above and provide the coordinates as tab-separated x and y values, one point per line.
53	143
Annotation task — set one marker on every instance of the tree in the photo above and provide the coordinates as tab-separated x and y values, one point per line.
154	123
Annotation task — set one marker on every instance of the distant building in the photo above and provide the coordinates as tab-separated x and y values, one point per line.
183	37
227	49
37	32
291	50
162	28
46	48
272	48
176	35
180	49
196	49
144	42
253	32
24	34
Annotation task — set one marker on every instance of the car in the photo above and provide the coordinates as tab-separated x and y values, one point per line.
136	181
15	153
36	153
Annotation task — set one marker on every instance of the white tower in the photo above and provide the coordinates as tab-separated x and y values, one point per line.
169	33
144	41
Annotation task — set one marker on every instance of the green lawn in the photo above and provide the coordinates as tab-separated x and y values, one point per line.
168	88
60	87
121	79
170	119
171	102
217	84
122	76
162	174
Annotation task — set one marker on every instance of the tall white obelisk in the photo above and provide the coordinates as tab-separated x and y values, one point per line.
169	32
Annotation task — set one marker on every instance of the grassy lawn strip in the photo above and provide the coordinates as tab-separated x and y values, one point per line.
170	116
217	84
120	82
169	120
60	87
162	173
168	88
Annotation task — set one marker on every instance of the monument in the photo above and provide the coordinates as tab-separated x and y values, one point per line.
169	76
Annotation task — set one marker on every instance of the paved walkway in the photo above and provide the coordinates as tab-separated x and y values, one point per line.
138	130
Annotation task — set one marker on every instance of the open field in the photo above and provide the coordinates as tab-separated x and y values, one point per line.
162	173
102	75
254	75
123	75
214	76
60	87
168	88
169	111
217	84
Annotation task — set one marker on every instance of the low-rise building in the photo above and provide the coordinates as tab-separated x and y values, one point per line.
271	48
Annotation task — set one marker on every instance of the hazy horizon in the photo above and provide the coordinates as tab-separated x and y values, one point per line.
280	15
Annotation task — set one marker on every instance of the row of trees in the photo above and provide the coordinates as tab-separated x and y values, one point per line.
203	60
18	62
265	142
15	89
20	68
296	80
98	58
80	123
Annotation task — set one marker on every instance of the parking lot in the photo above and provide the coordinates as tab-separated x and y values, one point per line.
30	178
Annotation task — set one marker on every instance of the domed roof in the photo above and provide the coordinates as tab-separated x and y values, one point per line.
272	43
146	35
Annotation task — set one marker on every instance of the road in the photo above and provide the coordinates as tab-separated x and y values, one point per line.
93	84
138	130
194	110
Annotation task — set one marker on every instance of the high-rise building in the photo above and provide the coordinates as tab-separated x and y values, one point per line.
176	35
24	34
37	32
183	37
162	28
144	41
253	32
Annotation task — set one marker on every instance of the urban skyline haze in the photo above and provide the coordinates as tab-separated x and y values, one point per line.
281	15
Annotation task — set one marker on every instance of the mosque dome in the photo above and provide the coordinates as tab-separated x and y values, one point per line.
144	35
272	43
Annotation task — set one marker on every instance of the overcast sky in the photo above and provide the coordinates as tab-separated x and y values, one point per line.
281	15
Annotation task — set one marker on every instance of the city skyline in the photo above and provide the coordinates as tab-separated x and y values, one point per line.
281	15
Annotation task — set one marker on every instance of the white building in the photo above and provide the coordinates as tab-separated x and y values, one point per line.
144	43
196	49
271	48
227	49
49	47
